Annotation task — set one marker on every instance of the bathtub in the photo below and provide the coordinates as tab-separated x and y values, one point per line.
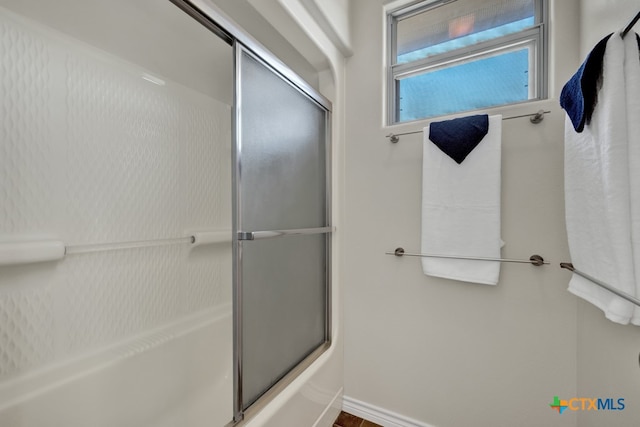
177	375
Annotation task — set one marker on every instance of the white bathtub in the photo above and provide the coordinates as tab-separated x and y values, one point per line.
179	375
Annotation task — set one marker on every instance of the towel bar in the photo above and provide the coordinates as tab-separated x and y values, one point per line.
600	283
535	118
536	260
630	25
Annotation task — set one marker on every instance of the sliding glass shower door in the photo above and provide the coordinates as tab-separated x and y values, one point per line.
282	227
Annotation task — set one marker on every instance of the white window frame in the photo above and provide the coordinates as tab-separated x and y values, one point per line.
537	35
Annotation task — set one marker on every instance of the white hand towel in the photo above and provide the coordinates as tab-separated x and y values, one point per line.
461	209
602	185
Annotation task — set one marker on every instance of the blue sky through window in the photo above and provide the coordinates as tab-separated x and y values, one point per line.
487	82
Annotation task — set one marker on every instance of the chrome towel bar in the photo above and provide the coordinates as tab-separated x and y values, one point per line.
535	118
630	25
600	283
536	260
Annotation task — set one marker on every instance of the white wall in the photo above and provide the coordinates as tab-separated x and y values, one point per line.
253	21
607	352
337	12
601	17
333	18
441	352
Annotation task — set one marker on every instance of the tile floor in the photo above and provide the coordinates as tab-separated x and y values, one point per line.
347	420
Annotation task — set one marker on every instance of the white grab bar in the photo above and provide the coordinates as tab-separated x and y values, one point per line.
29	252
200	238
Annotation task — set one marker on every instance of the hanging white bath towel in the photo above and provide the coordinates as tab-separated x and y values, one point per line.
602	186
461	209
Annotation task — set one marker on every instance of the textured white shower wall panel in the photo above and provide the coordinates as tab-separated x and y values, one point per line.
90	152
26	131
147	149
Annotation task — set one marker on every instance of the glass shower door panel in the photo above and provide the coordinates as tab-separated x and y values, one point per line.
281	184
283	179
285	285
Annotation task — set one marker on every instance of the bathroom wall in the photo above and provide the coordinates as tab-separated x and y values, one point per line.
333	17
245	14
337	13
607	352
439	352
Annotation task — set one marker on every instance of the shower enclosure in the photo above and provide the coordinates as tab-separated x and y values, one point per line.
164	216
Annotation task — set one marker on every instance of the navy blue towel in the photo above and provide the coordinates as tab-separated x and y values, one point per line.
458	137
579	95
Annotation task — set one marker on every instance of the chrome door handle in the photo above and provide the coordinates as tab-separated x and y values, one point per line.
257	235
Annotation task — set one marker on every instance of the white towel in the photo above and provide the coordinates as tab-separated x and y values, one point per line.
461	209
602	186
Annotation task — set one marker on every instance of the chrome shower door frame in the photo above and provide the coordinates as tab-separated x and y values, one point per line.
242	236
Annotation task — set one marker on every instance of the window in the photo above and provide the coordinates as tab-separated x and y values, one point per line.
450	56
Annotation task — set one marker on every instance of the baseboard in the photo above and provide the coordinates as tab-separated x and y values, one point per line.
379	415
